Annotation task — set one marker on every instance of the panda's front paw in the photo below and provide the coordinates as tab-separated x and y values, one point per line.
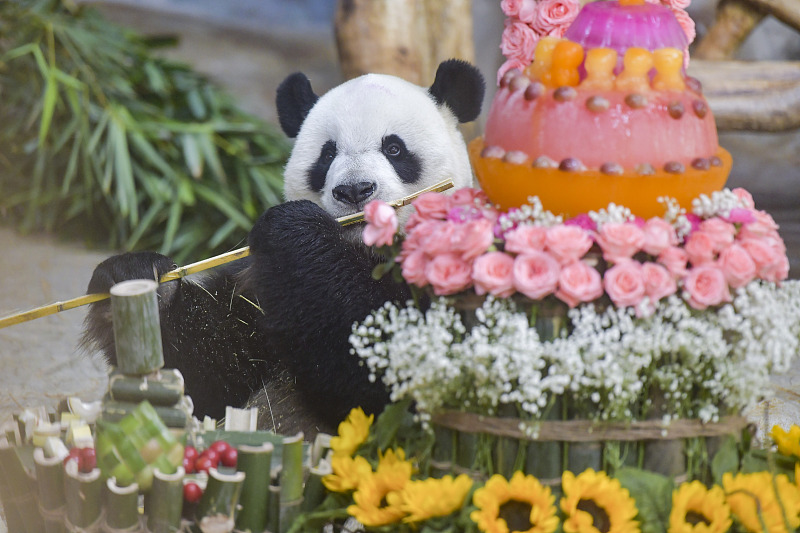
127	266
298	224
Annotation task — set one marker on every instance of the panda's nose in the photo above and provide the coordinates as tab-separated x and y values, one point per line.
354	193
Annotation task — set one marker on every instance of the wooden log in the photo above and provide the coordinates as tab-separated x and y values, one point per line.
751	96
256	463
122	507
50	482
137	330
735	20
164	503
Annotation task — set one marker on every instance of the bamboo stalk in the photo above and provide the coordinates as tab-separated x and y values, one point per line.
291	480
164	503
122	506
137	330
20	499
193	268
50	482
256	463
315	491
216	511
162	388
83	493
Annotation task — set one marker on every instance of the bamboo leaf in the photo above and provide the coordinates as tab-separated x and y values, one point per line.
196	105
206	144
144	225
175	212
223	205
126	190
50	100
191	153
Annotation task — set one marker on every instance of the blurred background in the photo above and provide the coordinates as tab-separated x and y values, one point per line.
244	49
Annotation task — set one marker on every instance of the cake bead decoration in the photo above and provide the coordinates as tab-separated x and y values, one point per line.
635	75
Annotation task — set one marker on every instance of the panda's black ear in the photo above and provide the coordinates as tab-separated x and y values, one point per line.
460	86
294	100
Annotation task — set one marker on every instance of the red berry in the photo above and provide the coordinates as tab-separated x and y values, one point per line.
87	460
230	457
204	464
212	455
190	452
192	492
74	453
219	446
188	465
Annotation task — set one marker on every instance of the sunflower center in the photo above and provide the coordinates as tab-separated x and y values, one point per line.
600	518
517	515
694	518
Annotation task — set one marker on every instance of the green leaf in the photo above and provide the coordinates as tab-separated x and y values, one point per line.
393	417
175	212
210	154
196	104
216	199
50	100
653	494
126	190
726	460
191	153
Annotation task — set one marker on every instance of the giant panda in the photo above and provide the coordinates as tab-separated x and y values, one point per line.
272	329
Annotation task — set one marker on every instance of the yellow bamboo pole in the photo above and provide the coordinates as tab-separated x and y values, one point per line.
193	268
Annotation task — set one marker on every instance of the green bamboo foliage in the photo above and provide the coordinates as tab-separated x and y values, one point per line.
100	138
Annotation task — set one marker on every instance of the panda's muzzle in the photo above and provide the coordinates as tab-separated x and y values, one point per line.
354	193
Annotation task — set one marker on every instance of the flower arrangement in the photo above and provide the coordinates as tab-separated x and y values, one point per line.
400	489
527	21
680	316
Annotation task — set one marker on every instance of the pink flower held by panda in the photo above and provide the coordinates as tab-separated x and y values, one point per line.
536	274
624	284
381	224
578	282
658	236
493	273
554	14
567	243
448	274
737	265
525	238
432	205
706	286
619	241
658	281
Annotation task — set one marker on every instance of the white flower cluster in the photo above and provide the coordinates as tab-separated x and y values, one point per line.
533	212
720	204
676	215
612	365
614	214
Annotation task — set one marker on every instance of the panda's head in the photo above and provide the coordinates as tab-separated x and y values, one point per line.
377	136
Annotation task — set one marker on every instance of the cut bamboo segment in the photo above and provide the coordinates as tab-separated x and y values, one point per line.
50	482
20	501
173	417
164	503
255	462
122	507
315	491
165	387
291	480
216	512
137	330
84	497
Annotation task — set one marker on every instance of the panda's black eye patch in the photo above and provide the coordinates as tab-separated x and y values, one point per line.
406	164
319	170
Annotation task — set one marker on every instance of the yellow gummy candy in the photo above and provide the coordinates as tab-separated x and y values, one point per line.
634	77
539	70
567	57
668	63
599	65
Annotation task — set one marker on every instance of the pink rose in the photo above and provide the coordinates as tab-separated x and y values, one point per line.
740	215
567	243
624	284
381	224
448	274
721	232
525	238
553	14
440	240
511	7
432	205
658	281
413	220
527	11
619	241
511	64
706	286
518	42
674	259
737	265
578	282
473	238
583	220
468	196
700	248
493	273
676	4
769	256
414	268
536	274
415	239
687	24
744	197
658	236
776	271
762	225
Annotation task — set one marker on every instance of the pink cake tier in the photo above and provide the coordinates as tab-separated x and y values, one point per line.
587	125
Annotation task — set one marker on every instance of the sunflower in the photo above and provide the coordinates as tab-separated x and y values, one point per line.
348	472
753	501
432	497
352	432
519	504
593	503
373	504
696	509
788	441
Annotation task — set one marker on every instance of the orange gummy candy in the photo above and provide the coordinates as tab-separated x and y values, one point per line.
634	77
539	70
668	63
599	65
567	57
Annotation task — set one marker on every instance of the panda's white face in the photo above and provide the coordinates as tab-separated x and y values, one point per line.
374	137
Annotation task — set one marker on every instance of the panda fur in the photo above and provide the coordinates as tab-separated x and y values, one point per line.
271	330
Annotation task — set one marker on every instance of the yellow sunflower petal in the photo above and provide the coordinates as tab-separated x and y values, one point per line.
352	432
432	497
788	442
377	489
594	502
697	509
348	472
519	504
754	502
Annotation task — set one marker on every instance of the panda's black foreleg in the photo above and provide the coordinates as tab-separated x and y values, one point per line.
314	281
209	330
